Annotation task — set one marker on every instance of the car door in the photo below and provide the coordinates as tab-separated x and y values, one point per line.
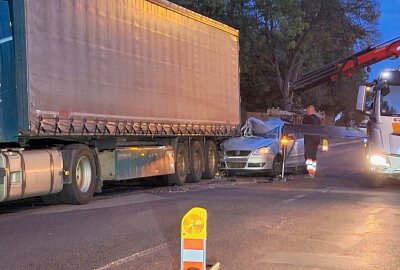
291	152
295	151
300	150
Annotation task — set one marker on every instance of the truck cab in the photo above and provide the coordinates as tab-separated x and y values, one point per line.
381	102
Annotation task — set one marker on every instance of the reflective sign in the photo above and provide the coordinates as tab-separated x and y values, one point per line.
194	224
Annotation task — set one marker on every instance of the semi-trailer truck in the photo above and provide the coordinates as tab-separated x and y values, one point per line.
109	90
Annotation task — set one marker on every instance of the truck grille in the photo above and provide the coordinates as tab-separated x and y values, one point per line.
237	153
236	165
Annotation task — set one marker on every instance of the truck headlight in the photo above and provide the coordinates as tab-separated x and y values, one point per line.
379	160
261	151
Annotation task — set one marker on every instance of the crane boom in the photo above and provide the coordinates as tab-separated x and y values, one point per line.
346	66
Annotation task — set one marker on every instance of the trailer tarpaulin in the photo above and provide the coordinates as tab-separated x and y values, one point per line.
110	66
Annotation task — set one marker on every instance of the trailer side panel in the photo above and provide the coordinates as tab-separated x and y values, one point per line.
97	65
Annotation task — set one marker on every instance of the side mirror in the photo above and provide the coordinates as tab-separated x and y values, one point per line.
362	97
338	116
383	87
385	91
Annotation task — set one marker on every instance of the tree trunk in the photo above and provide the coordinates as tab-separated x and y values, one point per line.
291	77
287	96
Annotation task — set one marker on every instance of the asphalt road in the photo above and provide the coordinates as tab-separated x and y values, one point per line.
330	222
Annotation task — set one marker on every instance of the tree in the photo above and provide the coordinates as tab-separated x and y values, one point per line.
282	39
257	85
300	34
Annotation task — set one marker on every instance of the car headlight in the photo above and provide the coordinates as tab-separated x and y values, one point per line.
379	160
261	151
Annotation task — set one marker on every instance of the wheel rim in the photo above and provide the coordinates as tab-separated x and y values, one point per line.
211	160
180	165
83	174
196	162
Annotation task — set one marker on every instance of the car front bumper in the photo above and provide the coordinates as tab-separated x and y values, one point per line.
259	164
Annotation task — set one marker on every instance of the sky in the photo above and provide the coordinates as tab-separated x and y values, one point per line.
389	27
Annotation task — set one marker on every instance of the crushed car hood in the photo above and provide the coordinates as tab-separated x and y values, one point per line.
245	143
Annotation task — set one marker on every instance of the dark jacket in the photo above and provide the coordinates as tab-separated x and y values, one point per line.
311	120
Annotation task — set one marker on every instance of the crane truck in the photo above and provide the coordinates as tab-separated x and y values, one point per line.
95	91
379	100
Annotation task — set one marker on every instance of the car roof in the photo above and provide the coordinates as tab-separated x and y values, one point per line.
273	123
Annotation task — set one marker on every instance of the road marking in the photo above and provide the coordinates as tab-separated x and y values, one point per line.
102	203
335	190
327	189
295	198
134	256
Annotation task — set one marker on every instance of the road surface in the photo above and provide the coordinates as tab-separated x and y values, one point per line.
330	222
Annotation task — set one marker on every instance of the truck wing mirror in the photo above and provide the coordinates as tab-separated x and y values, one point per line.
362	97
382	86
385	91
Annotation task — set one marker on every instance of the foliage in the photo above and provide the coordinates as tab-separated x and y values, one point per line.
282	39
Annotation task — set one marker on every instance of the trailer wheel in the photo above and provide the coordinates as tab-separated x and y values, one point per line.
83	176
210	160
196	162
181	158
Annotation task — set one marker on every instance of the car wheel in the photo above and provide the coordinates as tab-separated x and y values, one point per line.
374	180
277	165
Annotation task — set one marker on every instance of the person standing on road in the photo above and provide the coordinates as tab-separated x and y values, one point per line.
311	142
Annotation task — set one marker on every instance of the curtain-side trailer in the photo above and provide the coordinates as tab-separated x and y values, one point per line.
109	90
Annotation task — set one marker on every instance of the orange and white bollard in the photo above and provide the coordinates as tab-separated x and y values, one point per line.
193	239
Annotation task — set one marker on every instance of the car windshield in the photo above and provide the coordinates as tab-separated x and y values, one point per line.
274	133
390	103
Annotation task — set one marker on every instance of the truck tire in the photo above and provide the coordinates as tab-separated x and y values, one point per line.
374	180
83	175
210	160
196	162
181	163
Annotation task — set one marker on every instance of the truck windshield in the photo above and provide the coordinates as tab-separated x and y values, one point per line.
390	103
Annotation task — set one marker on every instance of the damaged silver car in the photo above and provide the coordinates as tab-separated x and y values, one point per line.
259	149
